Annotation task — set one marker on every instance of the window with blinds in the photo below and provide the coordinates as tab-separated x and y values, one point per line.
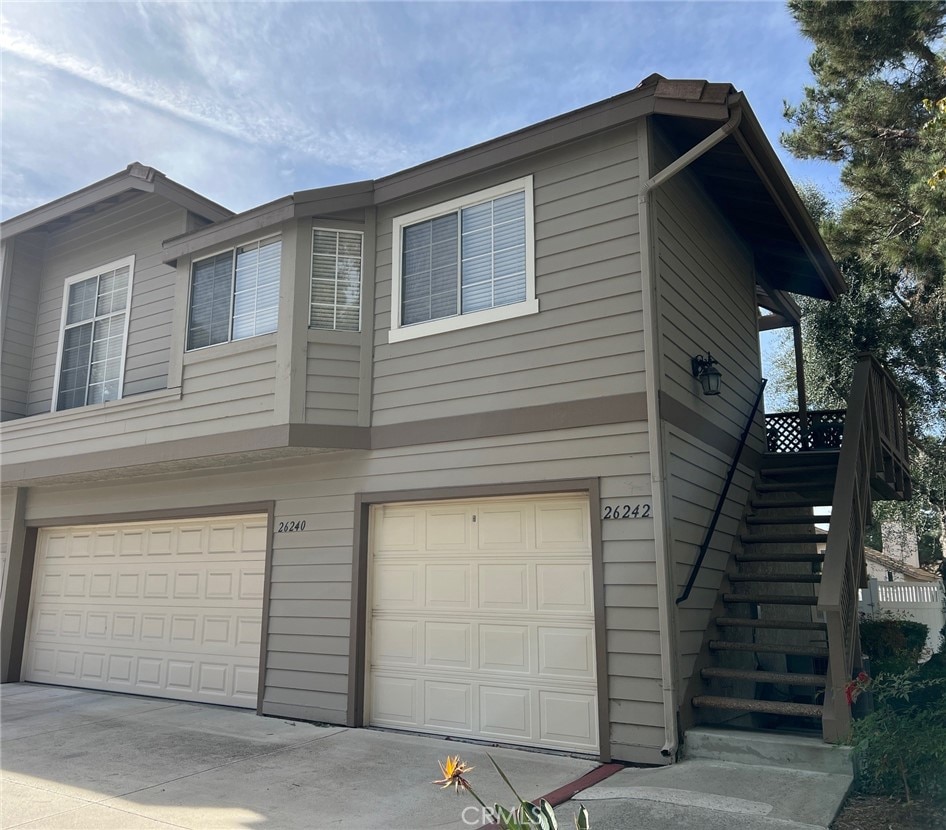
469	260
234	294
93	336
335	298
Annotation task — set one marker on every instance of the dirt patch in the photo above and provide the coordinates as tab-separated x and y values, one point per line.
869	812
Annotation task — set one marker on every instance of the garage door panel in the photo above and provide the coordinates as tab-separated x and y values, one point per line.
564	587
505	587
488	630
170	609
505	649
447	586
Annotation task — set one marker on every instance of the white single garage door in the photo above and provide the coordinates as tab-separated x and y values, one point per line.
482	621
171	609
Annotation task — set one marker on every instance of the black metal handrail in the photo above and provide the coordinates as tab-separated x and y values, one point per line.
695	570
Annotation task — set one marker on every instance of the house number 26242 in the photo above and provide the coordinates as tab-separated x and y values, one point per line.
627	511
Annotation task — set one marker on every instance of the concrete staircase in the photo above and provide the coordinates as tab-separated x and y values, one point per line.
767	648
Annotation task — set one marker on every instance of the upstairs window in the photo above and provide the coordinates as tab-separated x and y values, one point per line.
335	300
235	294
464	262
93	335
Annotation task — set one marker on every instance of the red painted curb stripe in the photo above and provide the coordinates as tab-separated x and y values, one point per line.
563	794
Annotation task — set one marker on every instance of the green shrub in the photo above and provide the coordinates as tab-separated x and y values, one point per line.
901	746
893	645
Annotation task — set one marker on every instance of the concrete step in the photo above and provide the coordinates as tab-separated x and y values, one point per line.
821	518
780	557
787	678
768	749
797	578
769	648
770	707
770	599
789	625
785	539
701	794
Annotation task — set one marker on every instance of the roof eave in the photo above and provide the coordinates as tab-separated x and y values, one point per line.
134	177
760	154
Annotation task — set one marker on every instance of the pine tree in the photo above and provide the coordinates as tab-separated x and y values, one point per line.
879	75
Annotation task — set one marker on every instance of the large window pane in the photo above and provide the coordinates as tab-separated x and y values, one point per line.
209	319
429	266
475	256
93	339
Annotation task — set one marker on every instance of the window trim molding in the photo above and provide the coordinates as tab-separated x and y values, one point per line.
190	288
67	283
530	305
361	279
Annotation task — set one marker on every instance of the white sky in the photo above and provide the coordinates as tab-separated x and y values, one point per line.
246	102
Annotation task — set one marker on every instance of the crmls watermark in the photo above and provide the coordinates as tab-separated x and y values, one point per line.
474	815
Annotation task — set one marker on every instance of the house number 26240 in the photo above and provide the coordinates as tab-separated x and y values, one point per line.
627	511
290	527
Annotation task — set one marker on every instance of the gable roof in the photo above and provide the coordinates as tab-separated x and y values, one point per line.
135	178
891	563
742	174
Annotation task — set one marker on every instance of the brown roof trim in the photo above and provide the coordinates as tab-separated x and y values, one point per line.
761	155
134	177
303	203
655	95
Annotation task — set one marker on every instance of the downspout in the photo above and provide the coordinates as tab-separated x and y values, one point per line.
666	582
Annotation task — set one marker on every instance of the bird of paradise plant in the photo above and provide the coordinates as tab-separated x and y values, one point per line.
525	816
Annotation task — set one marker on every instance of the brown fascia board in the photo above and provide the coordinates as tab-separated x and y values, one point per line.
134	177
323	200
223	233
561	129
318	201
760	154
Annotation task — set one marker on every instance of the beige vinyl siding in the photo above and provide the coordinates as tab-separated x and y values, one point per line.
225	388
26	269
136	226
333	366
585	342
308	638
697	474
706	286
707	302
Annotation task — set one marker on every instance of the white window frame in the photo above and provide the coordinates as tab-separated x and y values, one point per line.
190	289
530	305
85	275
361	279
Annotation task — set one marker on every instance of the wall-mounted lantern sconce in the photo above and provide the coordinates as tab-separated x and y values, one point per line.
704	369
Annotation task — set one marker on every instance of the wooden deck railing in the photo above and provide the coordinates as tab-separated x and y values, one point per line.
873	461
801	431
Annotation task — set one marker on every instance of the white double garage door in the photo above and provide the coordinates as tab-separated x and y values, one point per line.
482	621
168	609
481	617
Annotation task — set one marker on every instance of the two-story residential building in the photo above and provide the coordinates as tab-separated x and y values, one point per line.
428	452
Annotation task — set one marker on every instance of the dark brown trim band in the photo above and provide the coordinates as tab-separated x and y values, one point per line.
692	423
612	409
355	715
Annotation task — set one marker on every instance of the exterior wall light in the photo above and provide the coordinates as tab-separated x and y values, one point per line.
704	369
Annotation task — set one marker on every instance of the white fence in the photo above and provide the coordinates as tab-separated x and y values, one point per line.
924	602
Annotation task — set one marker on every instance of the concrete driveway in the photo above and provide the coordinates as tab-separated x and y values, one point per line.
96	761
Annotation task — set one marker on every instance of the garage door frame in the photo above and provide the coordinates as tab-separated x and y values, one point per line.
24	597
357	674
